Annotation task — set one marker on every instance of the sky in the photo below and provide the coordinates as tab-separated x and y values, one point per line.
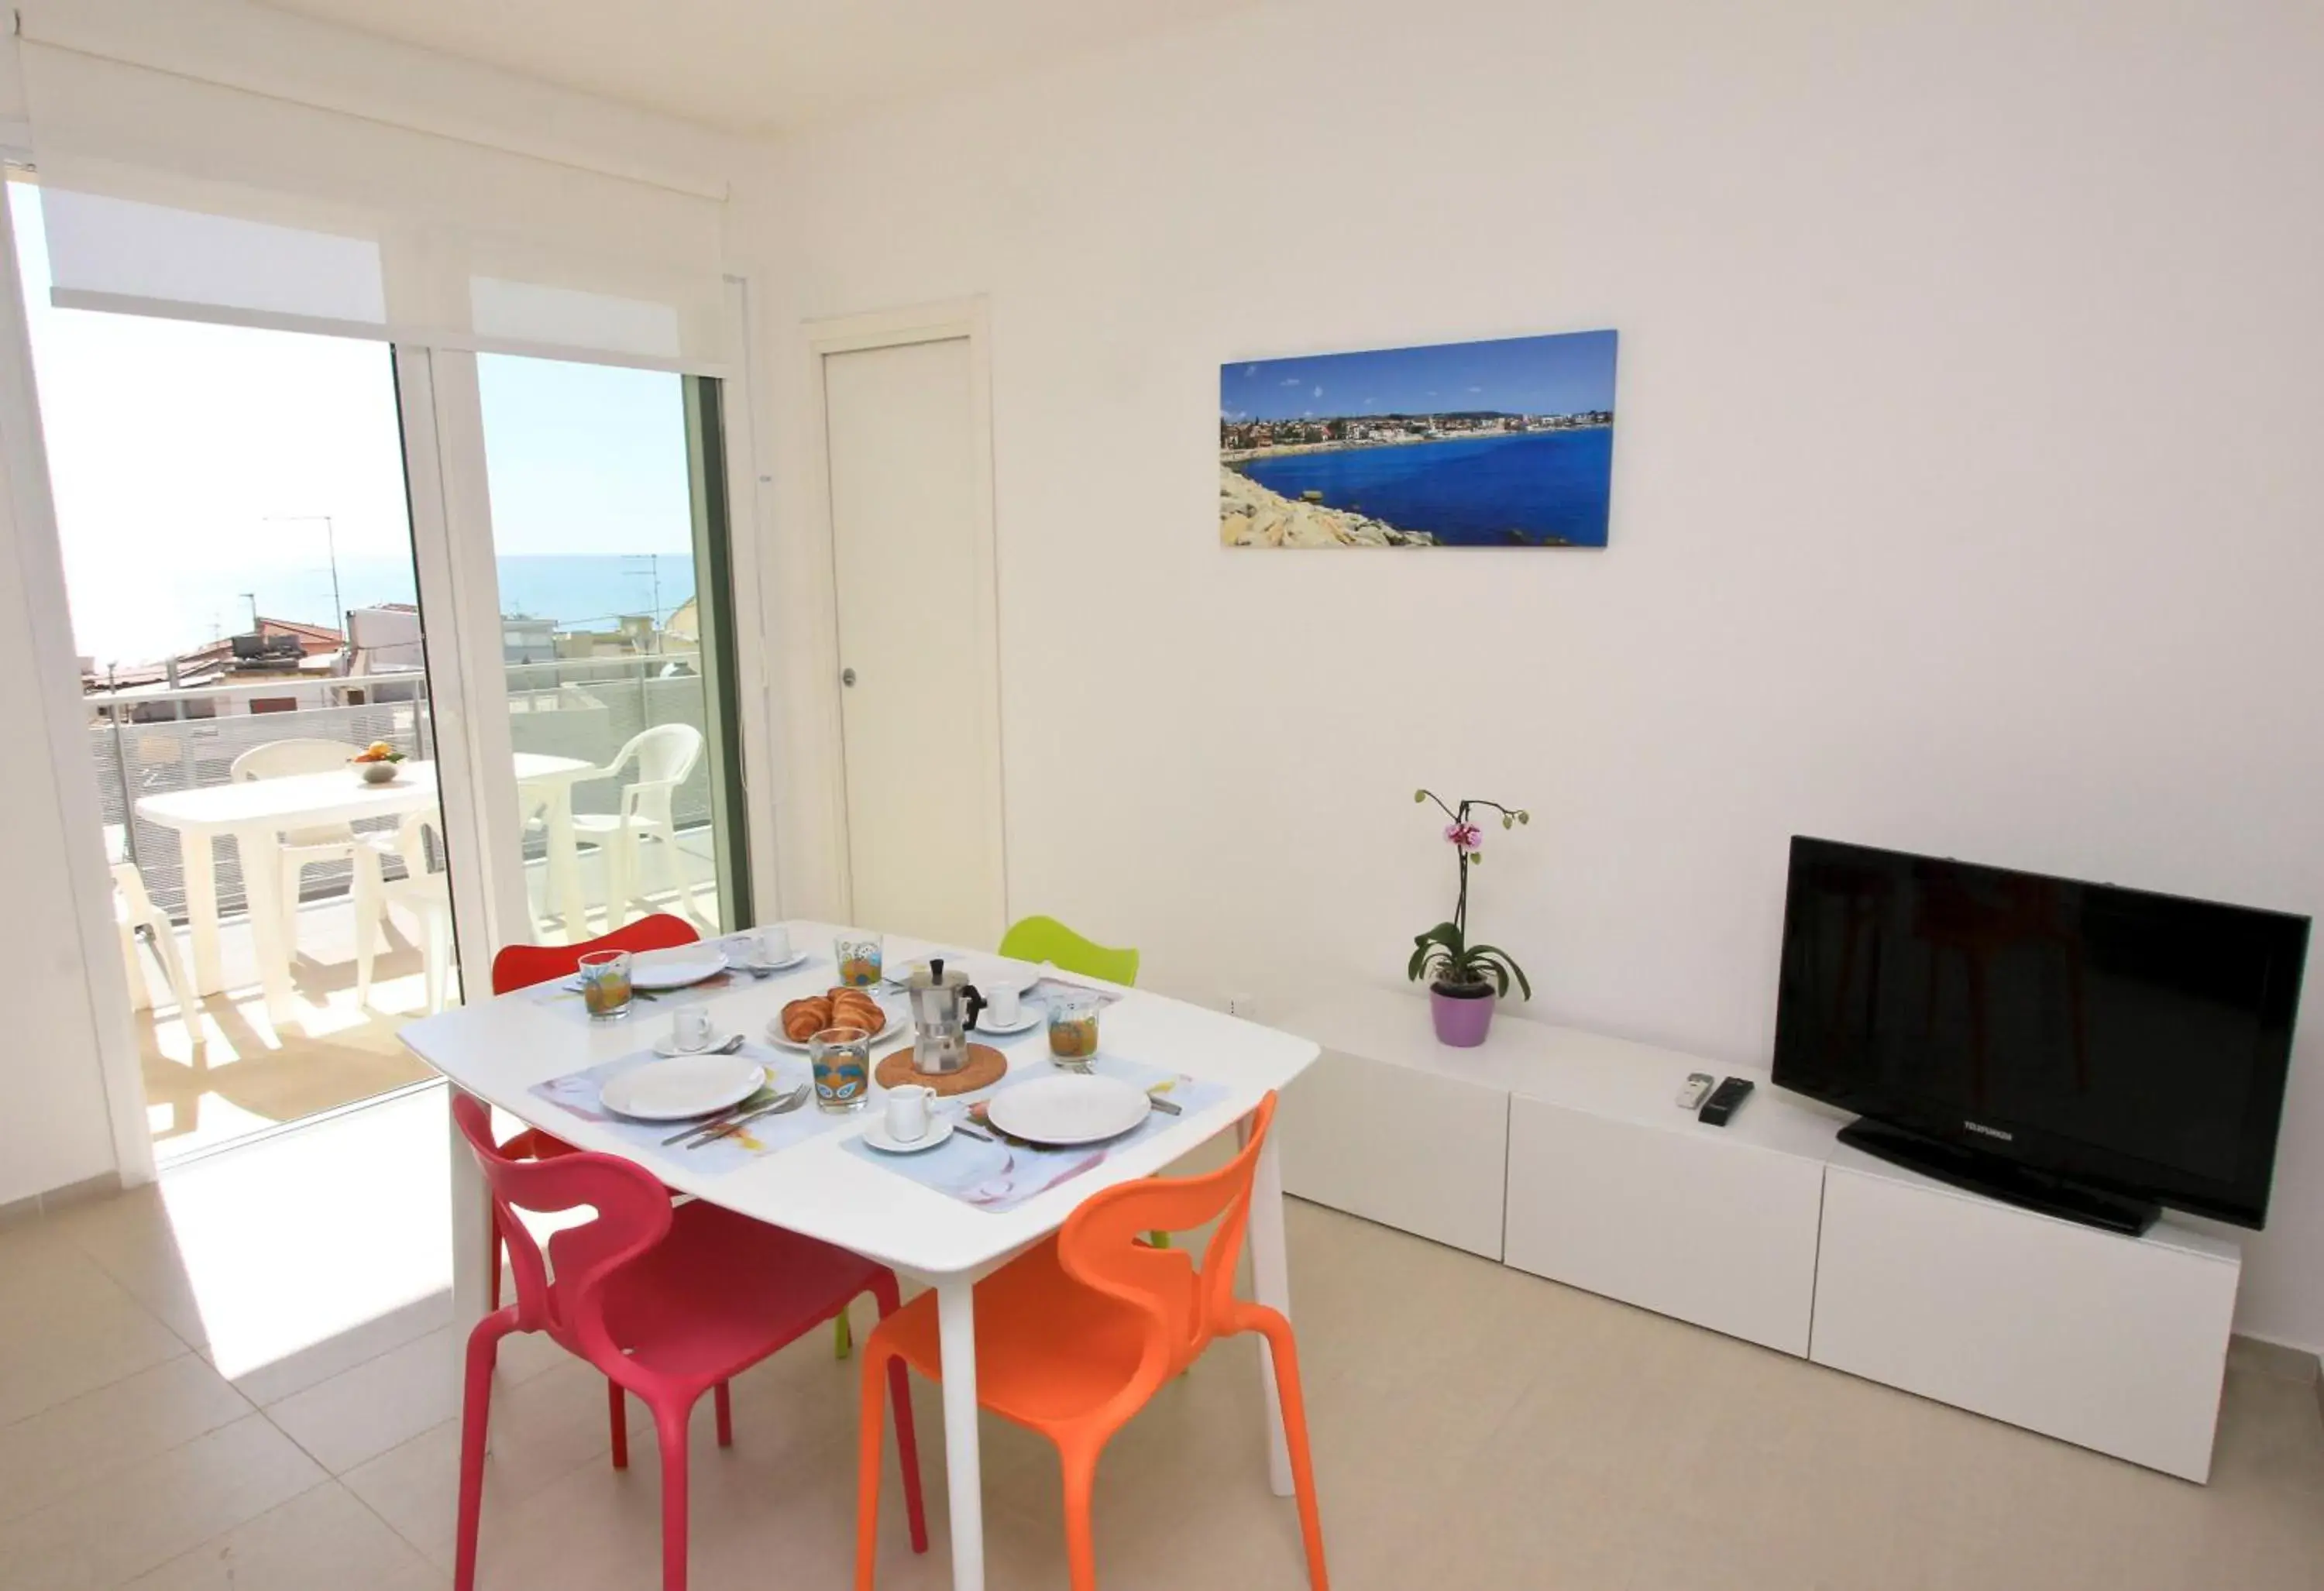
192	462
1519	375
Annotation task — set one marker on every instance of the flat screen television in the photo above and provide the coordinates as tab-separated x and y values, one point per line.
2082	1048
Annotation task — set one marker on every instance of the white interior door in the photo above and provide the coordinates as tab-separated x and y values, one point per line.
911	543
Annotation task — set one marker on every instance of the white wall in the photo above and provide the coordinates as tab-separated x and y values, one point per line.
1968	490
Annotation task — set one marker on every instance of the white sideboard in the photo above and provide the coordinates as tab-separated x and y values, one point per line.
1565	1154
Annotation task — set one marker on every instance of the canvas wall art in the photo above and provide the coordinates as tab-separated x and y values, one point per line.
1508	443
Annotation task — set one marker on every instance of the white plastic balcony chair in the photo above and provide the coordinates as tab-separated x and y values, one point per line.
132	909
423	891
316	845
665	756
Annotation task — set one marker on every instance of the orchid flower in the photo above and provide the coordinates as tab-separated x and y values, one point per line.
1444	952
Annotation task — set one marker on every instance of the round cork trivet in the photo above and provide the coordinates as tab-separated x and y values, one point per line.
986	1066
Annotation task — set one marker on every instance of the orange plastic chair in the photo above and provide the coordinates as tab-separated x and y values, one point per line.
1076	1334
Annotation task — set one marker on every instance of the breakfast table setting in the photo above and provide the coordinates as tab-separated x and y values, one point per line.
935	1107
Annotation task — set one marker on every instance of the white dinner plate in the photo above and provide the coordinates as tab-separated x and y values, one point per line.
1026	1016
1068	1108
676	969
683	1088
875	1132
776	1035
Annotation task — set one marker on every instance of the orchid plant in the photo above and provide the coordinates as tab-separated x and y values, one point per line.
1444	955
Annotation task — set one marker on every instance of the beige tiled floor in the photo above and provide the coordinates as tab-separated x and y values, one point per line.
246	1379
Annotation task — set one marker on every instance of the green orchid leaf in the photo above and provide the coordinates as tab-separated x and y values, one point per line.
1501	958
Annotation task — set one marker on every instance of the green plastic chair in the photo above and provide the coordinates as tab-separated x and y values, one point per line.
1045	939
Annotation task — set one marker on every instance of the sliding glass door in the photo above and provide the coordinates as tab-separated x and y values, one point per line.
238	551
495	583
606	498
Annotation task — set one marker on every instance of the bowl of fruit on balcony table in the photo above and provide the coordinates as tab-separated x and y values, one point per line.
377	763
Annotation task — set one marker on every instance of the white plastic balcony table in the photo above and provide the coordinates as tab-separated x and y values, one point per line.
254	812
499	1049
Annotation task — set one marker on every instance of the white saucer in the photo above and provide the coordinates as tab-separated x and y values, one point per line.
668	1047
1025	1020
682	1089
785	965
875	1132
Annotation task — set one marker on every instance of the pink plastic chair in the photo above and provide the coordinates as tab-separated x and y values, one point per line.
669	1300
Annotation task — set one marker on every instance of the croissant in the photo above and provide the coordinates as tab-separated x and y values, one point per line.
858	1010
802	1019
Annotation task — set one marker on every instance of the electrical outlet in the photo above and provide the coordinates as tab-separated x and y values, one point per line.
1245	1005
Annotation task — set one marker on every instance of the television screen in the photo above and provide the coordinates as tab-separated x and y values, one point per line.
2133	1042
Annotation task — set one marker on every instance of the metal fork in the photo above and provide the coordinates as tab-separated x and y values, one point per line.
784	1106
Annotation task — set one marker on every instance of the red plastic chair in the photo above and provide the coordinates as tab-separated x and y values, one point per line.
669	1300
1076	1334
520	966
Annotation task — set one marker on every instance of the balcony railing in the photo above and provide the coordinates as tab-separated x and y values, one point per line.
185	739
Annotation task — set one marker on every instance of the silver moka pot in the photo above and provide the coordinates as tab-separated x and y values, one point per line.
944	1005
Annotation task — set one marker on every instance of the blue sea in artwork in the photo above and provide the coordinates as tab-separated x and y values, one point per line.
1468	492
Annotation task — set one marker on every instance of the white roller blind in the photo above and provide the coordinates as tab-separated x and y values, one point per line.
167	195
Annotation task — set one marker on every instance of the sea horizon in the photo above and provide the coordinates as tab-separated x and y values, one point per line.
125	620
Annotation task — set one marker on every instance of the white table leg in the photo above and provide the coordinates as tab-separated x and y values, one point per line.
1270	1283
964	1476
261	892
565	861
197	849
472	1233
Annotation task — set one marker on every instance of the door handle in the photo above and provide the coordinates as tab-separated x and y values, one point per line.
847	677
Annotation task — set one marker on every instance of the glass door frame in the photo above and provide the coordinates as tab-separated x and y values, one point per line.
448	484
38	551
448	481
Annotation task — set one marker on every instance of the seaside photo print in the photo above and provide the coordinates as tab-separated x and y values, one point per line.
1508	443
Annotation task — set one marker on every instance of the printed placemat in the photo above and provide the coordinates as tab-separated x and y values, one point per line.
993	1171
579	1093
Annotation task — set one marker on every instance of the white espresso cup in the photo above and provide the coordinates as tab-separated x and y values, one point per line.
908	1112
689	1028
1000	1004
774	944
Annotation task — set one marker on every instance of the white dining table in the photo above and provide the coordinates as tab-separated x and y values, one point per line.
499	1048
254	812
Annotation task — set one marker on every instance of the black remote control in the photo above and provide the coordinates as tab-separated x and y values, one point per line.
1723	1101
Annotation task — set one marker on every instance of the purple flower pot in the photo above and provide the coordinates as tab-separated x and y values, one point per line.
1462	1020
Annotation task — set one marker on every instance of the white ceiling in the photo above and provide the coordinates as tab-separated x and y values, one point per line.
760	66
